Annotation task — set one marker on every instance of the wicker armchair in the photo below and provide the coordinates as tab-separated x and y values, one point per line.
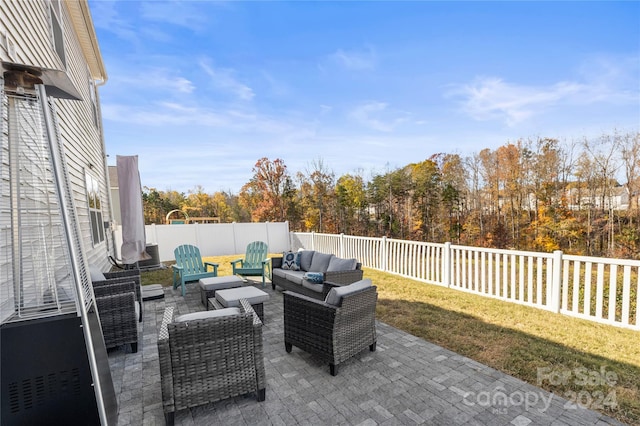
123	276
333	333
207	360
116	308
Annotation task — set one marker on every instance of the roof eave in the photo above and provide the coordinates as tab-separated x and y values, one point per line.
83	26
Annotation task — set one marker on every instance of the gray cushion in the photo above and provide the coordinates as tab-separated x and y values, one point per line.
313	286
96	274
219	283
320	262
282	273
231	297
295	276
335	295
208	314
306	256
339	264
137	309
152	292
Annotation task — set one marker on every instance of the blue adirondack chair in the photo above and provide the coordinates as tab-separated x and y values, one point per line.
190	267
255	262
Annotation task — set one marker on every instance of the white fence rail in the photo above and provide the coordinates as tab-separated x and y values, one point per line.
592	288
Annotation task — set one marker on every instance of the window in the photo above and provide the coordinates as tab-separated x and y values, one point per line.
95	209
57	34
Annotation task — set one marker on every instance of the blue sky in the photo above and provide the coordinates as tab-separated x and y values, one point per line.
200	90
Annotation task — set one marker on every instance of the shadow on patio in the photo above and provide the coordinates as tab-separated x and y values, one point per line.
406	381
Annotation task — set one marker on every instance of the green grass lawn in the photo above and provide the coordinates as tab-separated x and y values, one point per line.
564	355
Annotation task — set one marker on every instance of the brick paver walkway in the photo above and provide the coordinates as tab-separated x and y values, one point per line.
406	381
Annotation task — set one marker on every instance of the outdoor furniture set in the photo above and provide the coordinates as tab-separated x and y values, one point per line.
216	354
313	273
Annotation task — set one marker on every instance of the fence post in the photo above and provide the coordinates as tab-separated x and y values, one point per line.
556	283
342	245
197	235
235	237
383	254
446	264
313	240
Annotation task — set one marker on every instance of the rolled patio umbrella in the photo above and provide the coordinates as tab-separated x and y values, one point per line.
133	235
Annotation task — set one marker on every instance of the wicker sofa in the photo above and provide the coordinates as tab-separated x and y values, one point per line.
334	270
335	329
209	356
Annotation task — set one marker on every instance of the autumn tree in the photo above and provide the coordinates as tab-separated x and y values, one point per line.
352	203
317	197
266	194
199	204
426	199
157	204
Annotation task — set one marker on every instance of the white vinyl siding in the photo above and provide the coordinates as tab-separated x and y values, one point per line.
28	25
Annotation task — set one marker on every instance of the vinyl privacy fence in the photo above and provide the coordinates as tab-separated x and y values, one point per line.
597	289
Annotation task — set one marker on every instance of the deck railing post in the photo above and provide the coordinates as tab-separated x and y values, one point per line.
313	240
383	254
342	245
446	264
556	283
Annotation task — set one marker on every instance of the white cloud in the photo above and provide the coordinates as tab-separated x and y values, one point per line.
604	80
106	17
181	13
325	109
223	78
157	79
493	98
376	116
356	60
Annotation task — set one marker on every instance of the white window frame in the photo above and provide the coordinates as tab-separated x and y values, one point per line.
57	30
94	206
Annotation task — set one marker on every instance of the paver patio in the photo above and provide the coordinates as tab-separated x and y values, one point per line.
406	381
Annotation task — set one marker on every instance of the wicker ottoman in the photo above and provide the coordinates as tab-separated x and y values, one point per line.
152	292
231	297
209	286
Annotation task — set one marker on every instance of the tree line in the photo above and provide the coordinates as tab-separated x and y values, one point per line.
537	194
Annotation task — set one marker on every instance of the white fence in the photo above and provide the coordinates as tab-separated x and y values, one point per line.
213	239
597	289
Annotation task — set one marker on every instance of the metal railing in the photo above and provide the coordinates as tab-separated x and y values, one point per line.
593	288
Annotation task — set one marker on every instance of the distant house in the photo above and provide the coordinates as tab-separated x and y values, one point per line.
59	35
616	199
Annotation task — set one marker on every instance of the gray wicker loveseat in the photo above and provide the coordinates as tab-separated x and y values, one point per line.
209	356
335	329
289	272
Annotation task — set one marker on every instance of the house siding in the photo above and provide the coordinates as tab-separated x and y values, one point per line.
27	25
